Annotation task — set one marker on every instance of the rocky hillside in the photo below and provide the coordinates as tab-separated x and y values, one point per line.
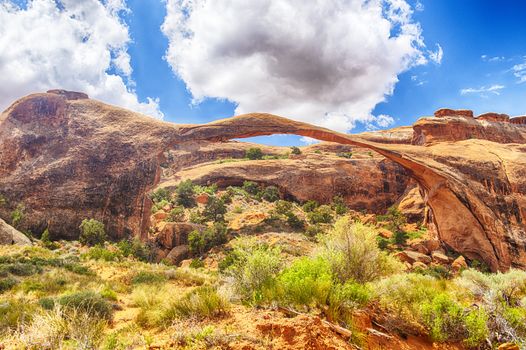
69	157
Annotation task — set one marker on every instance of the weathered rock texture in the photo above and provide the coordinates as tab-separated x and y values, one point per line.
9	235
367	181
67	159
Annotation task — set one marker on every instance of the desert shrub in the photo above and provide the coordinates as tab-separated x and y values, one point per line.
250	187
295	150
47	242
339	206
134	247
148	277
196	217
295	222
270	194
211	190
254	153
444	318
176	214
202	241
92	232
99	252
17	215
283	207
159	205
45	284
254	270
321	215
197	263
14	313
396	222
343	299
202	302
24	269
307	282
162	194
7	283
78	269
477	331
310	205
215	209
353	253
347	155
313	231
87	302
383	243
437	271
185	194
60	328
152	302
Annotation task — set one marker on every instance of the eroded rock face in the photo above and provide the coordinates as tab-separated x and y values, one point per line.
68	159
367	181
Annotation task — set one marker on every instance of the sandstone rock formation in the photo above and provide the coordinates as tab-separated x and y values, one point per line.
67	158
9	235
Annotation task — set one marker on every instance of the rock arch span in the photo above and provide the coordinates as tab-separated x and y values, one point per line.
462	207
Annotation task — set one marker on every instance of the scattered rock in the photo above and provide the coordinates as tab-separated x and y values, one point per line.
9	235
431	244
440	258
202	198
419	265
412	257
459	264
508	346
420	247
385	233
178	254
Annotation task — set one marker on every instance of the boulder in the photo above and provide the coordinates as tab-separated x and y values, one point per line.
9	235
385	233
459	264
508	346
411	257
202	198
419	247
446	112
439	258
178	254
412	205
418	265
431	244
173	234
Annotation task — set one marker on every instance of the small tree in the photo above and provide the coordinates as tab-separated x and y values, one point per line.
254	153
270	193
215	209
250	187
160	195
310	205
201	242
339	205
185	194
92	232
176	214
295	150
321	215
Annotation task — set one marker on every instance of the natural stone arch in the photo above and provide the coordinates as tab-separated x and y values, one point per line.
462	220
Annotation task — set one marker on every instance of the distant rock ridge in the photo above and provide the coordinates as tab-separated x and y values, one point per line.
66	157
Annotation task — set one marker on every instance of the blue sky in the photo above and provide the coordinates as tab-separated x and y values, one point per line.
466	30
291	53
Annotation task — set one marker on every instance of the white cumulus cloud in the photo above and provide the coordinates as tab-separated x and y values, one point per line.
519	70
76	45
436	56
325	62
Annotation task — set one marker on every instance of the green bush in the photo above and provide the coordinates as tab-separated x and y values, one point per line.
89	302
338	203
197	263
307	282
176	214
134	247
295	222
475	323
7	283
196	217
313	231
353	253
159	205
15	313
295	150
203	302
186	194
46	240
254	153
270	194
254	270
283	207
215	209
92	232
162	194
202	241
344	299
17	215
310	205
148	277
251	187
444	318
24	269
321	215
98	252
